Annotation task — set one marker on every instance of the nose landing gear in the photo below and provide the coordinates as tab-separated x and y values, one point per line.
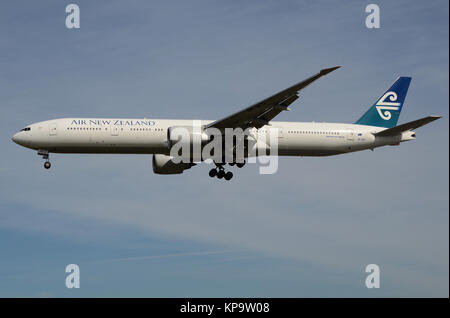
45	155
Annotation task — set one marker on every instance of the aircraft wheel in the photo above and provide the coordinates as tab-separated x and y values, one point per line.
220	174
240	164
231	163
228	175
47	165
212	173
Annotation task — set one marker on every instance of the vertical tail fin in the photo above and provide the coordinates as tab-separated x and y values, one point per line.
386	110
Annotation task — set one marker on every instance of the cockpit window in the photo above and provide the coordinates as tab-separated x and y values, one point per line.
26	129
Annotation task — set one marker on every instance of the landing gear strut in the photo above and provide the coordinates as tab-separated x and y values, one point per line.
45	155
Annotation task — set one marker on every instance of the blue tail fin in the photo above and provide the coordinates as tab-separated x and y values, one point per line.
386	110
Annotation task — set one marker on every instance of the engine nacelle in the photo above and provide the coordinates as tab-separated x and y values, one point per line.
163	164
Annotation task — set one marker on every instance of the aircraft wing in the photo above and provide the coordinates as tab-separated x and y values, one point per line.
261	113
408	126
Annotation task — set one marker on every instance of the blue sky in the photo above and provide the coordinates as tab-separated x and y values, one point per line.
307	231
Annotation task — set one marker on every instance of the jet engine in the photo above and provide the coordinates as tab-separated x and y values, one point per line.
163	164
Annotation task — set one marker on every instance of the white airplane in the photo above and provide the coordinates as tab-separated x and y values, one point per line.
376	128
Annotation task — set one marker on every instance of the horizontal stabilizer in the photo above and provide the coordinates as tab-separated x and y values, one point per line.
408	126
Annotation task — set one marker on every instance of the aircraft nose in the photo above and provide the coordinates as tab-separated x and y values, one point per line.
19	139
15	138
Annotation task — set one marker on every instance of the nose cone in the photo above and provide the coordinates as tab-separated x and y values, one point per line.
19	139
15	138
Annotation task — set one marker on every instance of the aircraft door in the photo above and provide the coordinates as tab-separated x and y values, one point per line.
350	135
53	129
280	132
114	130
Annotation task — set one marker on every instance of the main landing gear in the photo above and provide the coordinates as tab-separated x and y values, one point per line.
238	164
45	155
220	173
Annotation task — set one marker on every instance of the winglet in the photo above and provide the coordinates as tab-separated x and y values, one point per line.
325	71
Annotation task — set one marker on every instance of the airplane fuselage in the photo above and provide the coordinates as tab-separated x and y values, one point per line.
149	136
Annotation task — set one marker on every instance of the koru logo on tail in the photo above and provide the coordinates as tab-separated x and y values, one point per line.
383	107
